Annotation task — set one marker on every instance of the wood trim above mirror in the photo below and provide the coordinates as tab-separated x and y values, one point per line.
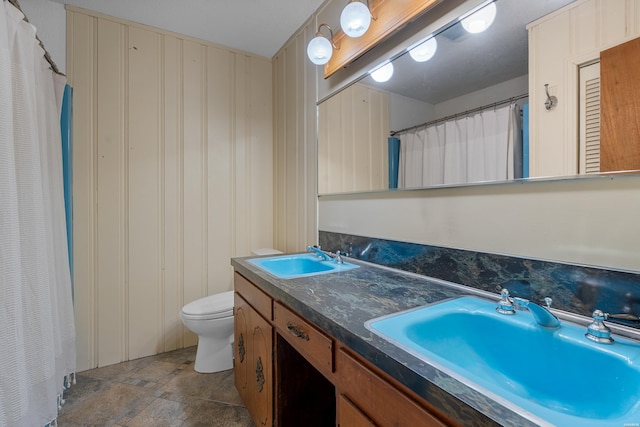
389	16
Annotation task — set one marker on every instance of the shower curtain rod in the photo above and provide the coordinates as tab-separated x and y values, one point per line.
464	113
54	67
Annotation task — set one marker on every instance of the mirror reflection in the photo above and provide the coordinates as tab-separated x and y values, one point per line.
458	105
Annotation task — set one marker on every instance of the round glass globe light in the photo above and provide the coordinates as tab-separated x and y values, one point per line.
319	50
383	73
425	50
479	21
355	19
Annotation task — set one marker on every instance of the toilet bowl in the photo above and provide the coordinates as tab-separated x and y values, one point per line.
211	318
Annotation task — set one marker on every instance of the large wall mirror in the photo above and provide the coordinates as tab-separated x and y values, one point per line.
475	84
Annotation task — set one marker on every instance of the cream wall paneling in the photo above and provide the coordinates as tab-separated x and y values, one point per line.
295	148
558	45
353	127
173	176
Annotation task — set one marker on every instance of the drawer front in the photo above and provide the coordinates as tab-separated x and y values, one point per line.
378	399
260	301
350	416
315	346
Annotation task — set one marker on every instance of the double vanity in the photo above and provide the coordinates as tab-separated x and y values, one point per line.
318	342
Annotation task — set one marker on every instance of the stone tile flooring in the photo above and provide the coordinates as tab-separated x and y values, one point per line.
160	390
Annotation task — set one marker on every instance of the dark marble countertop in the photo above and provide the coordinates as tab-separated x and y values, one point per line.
340	303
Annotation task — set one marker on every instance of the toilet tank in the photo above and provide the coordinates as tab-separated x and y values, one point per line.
265	251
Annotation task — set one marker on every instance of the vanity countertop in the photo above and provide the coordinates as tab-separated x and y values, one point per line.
341	303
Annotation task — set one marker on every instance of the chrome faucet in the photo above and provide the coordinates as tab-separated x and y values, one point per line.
542	316
321	254
599	332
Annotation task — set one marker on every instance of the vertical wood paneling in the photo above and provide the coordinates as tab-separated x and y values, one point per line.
220	98
111	278
194	203
279	120
144	192
242	167
292	147
80	54
352	141
261	151
613	21
172	138
295	148
172	197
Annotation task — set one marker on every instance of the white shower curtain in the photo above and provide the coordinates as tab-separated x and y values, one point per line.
479	147
37	335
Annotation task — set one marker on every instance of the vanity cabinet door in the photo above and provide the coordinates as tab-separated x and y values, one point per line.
240	348
253	363
261	371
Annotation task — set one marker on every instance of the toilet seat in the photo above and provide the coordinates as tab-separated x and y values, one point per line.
211	307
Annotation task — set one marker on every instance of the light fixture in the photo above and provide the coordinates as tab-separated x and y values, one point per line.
320	48
480	20
355	18
425	50
383	73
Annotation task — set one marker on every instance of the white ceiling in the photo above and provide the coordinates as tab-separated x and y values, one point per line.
257	26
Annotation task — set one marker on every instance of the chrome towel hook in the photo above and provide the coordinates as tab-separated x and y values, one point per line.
551	101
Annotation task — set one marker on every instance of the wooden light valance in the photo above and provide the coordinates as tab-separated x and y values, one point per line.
389	15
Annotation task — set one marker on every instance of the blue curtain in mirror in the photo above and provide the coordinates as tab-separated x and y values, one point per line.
394	160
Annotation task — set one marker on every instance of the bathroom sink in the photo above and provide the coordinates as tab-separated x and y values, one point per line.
299	265
557	375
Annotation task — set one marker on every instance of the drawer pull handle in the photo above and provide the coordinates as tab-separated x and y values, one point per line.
297	332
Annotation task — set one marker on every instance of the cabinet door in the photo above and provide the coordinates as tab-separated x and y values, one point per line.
262	349
241	354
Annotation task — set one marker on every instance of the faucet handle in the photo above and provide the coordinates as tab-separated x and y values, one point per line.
547	302
505	306
597	331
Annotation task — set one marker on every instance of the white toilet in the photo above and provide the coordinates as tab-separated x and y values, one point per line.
211	318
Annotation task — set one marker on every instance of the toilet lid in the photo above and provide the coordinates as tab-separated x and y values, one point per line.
218	304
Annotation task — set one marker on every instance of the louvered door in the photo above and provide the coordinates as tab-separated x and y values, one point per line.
590	119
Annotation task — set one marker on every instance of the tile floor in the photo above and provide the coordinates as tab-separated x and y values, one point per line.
160	390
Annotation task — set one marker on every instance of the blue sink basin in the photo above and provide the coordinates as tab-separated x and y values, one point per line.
556	375
299	265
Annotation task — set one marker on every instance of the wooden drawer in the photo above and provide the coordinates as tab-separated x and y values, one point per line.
349	415
378	399
260	301
315	346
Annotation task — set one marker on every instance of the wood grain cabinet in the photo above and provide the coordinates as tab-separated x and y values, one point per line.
289	372
253	349
368	399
